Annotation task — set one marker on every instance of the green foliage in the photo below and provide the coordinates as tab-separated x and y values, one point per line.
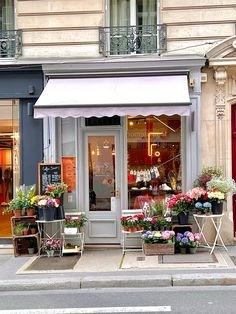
22	199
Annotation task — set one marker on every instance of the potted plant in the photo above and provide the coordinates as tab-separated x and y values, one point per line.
48	205
18	228
181	204
158	242
73	225
50	245
188	242
57	191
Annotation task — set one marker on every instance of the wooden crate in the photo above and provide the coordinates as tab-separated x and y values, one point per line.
158	248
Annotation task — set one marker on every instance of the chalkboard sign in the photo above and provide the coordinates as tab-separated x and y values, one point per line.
48	174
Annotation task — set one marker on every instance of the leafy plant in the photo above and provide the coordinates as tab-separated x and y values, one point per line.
19	228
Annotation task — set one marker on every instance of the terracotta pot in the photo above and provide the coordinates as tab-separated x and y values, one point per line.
33	230
17	212
139	228
132	229
126	228
30	211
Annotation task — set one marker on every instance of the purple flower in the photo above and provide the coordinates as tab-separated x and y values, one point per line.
184	240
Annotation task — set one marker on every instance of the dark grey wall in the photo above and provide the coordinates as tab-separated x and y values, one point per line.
25	83
31	132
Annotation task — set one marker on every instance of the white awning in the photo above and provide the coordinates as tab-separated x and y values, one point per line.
109	96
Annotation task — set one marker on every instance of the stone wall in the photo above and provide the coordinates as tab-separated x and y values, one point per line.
60	28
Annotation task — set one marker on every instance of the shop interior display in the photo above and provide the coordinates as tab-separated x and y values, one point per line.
154	158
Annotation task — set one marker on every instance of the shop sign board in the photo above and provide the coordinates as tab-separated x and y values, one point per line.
48	173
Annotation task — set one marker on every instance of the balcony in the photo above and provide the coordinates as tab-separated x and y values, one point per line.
123	40
10	43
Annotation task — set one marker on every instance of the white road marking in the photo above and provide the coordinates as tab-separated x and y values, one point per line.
93	310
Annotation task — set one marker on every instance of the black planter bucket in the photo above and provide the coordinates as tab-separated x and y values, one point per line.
59	213
40	213
217	208
182	218
49	213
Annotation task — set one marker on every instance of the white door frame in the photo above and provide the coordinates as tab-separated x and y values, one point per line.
103	226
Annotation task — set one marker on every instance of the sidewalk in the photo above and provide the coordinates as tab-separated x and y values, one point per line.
106	268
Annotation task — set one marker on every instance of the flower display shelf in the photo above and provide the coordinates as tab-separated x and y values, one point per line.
50	229
21	242
72	243
159	248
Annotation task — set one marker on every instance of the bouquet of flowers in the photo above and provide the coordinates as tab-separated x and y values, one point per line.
51	244
56	190
181	203
158	236
48	202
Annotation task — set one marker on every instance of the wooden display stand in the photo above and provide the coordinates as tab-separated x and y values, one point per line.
22	242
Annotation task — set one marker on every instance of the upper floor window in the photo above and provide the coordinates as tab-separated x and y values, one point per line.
6	14
133	13
133	28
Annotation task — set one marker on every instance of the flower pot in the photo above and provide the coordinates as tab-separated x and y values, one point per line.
126	228
50	253
139	228
31	250
40	213
182	218
217	208
70	230
158	248
17	212
183	250
33	230
59	213
48	213
132	229
192	250
30	211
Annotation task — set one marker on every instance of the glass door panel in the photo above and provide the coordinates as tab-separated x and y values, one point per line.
101	169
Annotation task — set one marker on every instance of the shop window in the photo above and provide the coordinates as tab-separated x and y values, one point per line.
9	159
154	159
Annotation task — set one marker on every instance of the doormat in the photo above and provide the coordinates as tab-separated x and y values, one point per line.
44	263
198	257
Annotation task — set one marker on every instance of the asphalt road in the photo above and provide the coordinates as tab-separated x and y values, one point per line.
147	300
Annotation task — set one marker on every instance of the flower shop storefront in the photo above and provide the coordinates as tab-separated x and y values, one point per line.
127	143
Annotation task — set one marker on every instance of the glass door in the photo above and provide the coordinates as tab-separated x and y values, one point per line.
102	186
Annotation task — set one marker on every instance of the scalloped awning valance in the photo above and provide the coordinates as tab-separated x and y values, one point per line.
109	96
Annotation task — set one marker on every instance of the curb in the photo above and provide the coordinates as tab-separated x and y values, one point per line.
213	279
127	282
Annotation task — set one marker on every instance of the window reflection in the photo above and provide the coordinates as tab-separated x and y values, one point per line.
154	163
101	163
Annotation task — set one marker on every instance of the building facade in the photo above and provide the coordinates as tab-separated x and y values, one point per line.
140	64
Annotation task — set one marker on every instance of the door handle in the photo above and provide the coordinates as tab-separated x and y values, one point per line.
117	193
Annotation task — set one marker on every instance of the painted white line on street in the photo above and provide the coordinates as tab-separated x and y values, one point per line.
93	310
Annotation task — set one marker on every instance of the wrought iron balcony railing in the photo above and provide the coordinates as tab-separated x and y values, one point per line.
122	40
10	43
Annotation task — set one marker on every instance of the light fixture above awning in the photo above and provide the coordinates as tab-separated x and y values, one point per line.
109	96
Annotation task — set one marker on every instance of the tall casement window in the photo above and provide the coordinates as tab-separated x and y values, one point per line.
6	14
133	26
